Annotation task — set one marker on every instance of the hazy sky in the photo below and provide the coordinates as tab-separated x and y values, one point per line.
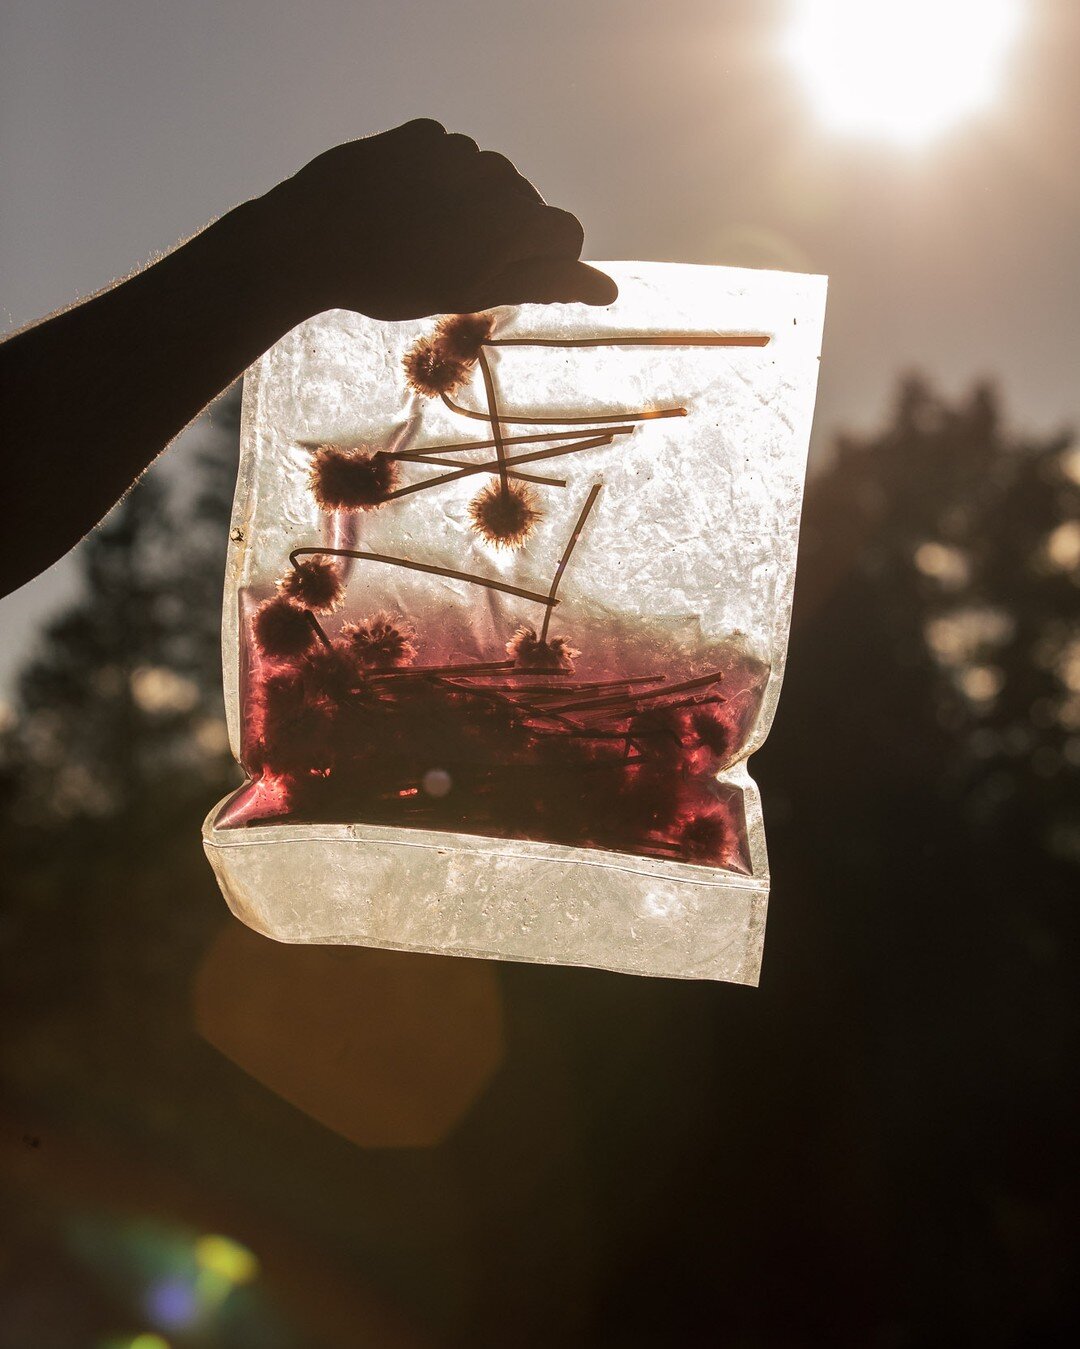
675	130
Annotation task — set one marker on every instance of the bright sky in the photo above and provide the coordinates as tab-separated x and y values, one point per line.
676	131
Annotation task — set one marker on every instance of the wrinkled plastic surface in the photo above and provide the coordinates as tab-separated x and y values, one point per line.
603	820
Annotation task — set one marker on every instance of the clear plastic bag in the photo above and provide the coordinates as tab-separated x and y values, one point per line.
506	613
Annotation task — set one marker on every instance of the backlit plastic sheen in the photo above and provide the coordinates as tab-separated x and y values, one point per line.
506	613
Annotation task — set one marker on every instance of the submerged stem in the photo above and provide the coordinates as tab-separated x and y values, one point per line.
428	567
461	446
623	699
570	546
644	416
487	467
655	340
493	412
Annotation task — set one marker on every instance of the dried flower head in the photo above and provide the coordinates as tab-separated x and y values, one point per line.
381	642
658	731
705	835
282	629
713	733
504	514
314	583
330	673
462	335
431	370
296	734
351	479
530	653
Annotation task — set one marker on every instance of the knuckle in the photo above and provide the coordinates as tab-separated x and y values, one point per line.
496	165
461	145
564	227
426	128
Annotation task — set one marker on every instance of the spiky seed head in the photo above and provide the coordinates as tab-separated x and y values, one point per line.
705	835
330	673
315	583
504	516
297	734
461	336
282	629
713	733
352	479
528	652
431	370
658	731
381	642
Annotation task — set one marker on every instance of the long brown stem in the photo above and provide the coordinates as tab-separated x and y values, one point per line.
655	340
567	421
570	546
493	468
428	567
623	699
493	412
318	629
524	710
529	674
461	446
479	667
615	683
470	469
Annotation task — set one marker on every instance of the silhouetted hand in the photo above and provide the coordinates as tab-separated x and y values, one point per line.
401	225
416	221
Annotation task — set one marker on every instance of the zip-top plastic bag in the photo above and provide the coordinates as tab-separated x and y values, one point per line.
506	613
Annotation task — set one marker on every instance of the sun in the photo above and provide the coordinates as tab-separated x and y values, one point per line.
901	70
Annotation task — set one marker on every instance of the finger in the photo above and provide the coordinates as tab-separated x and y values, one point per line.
548	281
455	146
420	131
496	168
533	231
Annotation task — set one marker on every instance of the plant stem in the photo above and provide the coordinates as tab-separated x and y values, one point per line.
480	667
428	567
566	421
571	544
463	445
466	472
656	340
623	699
493	468
493	412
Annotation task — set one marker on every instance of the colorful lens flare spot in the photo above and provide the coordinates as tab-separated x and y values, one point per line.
147	1340
227	1259
171	1303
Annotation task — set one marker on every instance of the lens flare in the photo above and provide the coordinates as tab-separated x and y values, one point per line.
226	1258
902	70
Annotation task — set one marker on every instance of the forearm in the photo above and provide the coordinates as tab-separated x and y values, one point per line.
407	223
89	397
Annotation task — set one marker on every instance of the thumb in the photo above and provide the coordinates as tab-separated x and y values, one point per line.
550	281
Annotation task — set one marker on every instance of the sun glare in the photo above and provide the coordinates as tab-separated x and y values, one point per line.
902	70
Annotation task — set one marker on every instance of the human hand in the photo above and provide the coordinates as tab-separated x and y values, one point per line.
416	221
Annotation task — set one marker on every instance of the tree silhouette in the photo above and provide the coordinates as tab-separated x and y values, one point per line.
122	710
876	1147
938	617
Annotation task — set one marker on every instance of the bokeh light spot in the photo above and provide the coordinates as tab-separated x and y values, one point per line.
437	782
171	1303
226	1258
